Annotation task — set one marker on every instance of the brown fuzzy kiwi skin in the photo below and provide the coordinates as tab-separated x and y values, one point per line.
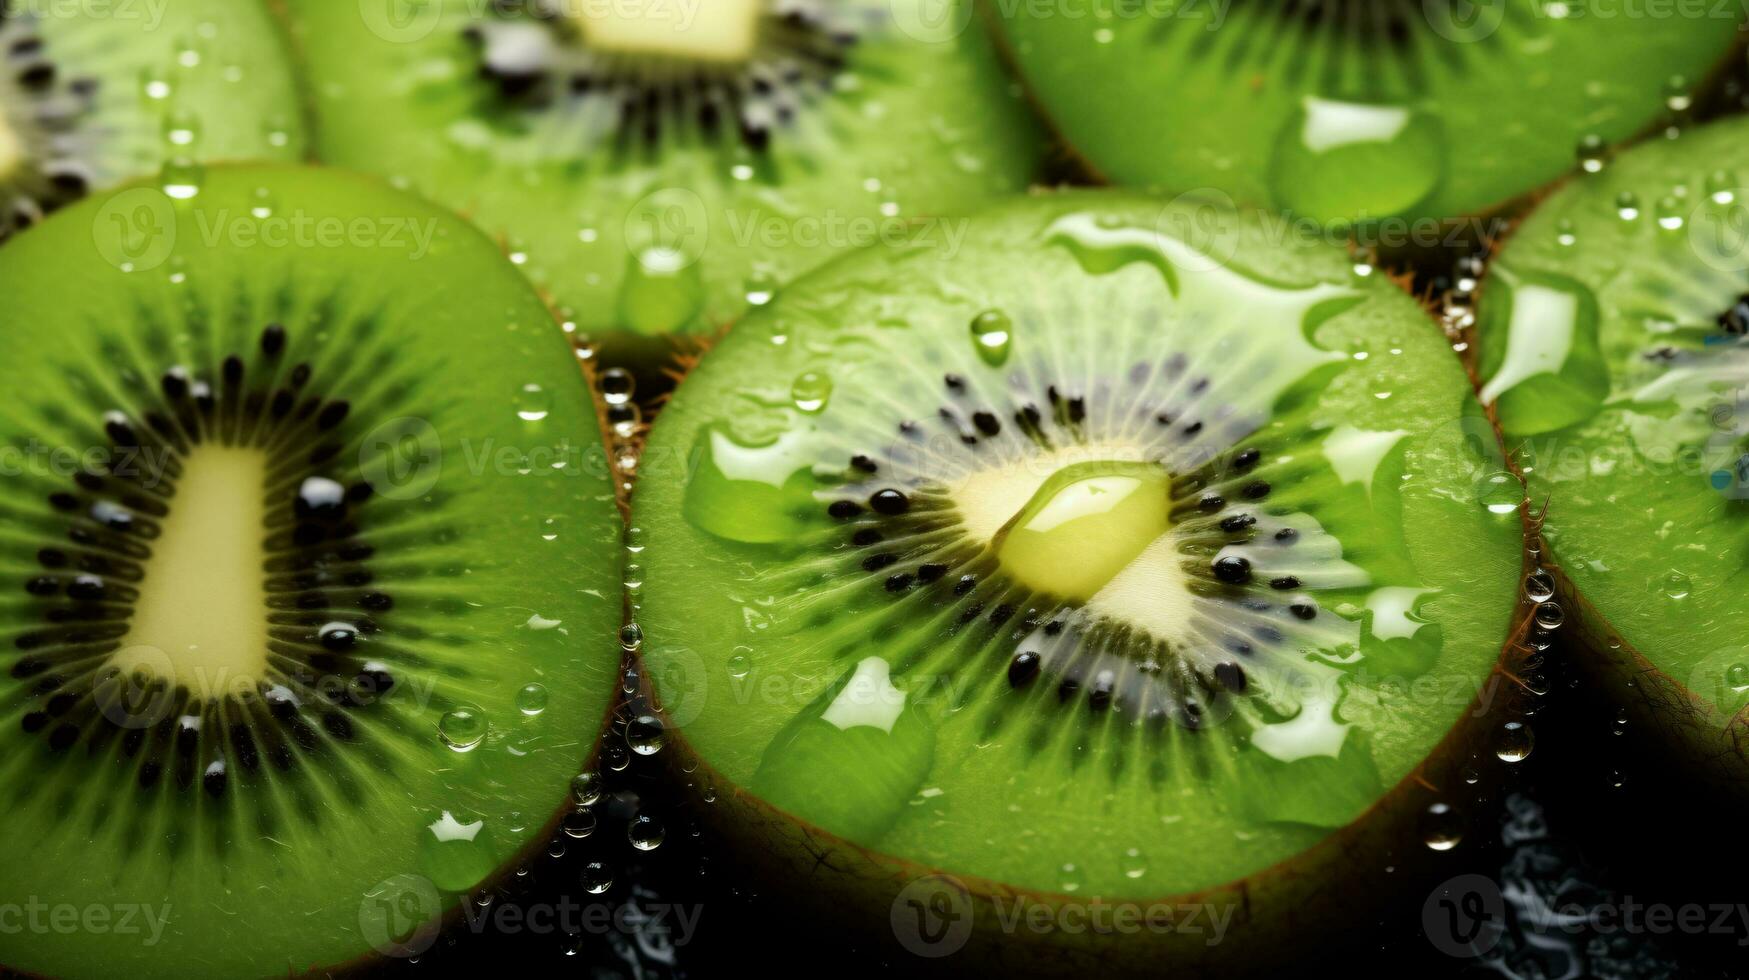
1708	747
1460	233
1279	915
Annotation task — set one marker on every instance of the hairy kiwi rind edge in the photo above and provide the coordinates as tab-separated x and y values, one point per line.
1707	746
365	962
1313	893
1712	750
1473	226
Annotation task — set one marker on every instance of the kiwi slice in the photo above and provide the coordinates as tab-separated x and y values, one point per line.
1352	109
1080	560
660	167
1612	341
92	95
309	569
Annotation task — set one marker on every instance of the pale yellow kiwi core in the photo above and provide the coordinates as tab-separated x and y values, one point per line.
202	609
11	149
705	30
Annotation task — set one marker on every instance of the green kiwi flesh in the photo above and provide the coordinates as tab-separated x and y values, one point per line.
1341	110
1078	560
294	518
92	95
1612	341
661	178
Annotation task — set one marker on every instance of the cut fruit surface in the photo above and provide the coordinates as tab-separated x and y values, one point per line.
1613	339
1078	559
660	168
721	31
92	95
284	549
1341	110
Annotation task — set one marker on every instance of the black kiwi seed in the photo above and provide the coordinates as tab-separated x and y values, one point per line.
1233	570
1286	583
1736	319
1304	610
1023	668
1256	490
1231	676
1237	522
889	502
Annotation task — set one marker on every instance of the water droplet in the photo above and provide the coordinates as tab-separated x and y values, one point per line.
181	178
1677	586
1677	98
597	878
1550	616
740	663
531	700
645	832
761	288
578	824
1592	153
1069	878
455	850
586	788
662	291
1670	213
992	334
1564	235
645	735
1441	827
463	728
1317	153
1627	206
181	129
1514	742
1721	187
1539	586
533	402
750	491
1737	678
1135	863
631	636
1500	492
617	386
810	390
